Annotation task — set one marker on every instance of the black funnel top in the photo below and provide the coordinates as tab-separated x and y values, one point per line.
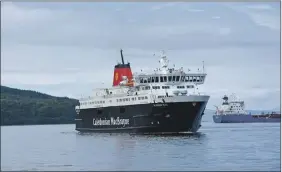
123	65
121	56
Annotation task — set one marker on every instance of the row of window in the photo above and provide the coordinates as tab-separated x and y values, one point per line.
139	98
181	87
156	79
133	99
146	88
156	87
234	106
167	87
94	102
163	96
118	100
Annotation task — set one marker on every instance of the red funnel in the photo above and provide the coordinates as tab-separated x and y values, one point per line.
122	70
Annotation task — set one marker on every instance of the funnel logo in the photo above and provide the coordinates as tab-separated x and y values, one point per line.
116	76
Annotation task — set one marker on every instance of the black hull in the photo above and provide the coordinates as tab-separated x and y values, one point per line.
144	118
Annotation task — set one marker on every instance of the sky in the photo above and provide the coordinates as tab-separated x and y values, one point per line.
70	48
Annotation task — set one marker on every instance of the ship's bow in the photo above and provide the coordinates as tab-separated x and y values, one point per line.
180	113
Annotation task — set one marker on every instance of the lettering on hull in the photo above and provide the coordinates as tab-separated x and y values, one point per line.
112	121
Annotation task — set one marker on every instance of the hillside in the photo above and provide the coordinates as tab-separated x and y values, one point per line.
24	107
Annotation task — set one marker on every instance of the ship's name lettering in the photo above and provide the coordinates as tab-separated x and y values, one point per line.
112	121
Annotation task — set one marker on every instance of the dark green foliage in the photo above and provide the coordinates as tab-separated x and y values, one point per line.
24	107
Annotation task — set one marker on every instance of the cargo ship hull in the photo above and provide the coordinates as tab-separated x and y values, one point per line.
241	118
143	118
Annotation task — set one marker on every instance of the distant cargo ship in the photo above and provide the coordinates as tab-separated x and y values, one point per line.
234	112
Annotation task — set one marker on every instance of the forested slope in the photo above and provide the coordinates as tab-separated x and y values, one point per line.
23	107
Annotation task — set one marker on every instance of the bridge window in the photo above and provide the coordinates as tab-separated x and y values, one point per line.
177	78
162	79
146	97
145	80
153	79
187	79
169	78
182	78
165	78
173	78
157	79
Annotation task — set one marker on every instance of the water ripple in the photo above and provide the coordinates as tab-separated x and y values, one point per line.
252	147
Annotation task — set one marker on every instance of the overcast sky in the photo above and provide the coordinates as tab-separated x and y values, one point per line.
66	49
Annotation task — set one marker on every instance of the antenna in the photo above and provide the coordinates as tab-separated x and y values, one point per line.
203	66
121	56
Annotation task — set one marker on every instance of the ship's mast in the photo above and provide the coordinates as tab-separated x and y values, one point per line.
121	56
203	66
163	61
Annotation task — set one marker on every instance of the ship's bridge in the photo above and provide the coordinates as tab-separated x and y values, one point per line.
167	75
171	78
234	106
